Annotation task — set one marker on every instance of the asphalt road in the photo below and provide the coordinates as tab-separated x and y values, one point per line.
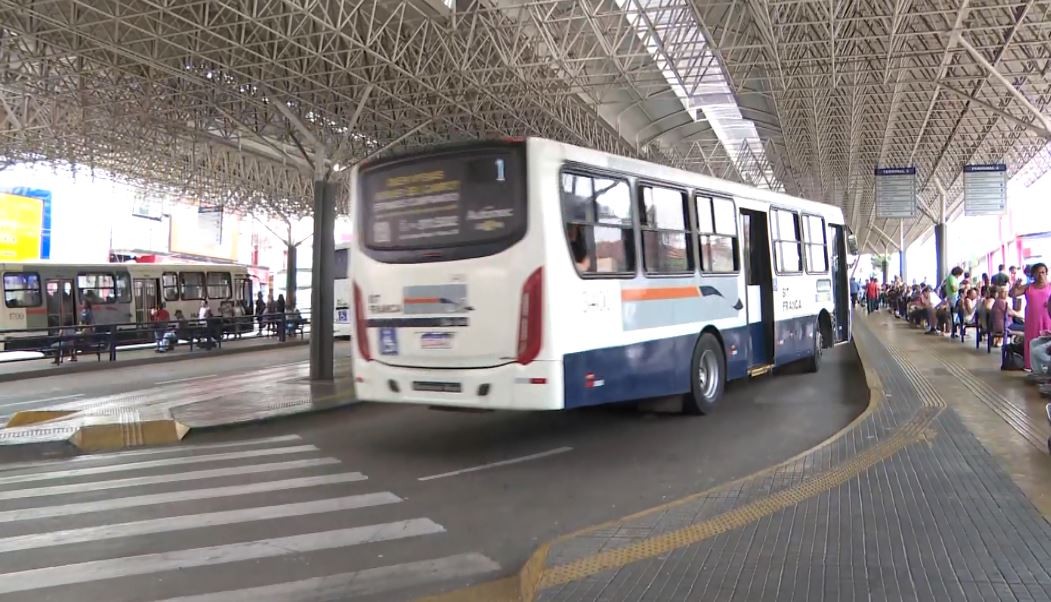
379	502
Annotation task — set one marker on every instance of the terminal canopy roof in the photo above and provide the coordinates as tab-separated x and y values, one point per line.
243	102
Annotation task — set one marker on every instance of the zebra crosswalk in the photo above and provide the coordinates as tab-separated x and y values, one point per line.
264	519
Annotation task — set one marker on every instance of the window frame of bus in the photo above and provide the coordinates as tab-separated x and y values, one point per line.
39	289
167	287
777	241
203	286
574	170
229	284
735	238
689	232
516	150
807	244
98	301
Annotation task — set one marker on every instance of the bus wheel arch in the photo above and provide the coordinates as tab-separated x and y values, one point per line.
707	373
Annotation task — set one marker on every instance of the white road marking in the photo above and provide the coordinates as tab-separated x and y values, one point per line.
165	478
166	462
193	521
177	496
184	380
550	452
45	400
177	449
114	568
359	583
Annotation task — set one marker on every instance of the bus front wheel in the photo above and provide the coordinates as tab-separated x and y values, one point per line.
708	376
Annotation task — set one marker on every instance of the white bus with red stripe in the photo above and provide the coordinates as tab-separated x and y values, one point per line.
530	274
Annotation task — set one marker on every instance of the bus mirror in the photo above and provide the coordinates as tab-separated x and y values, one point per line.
852	244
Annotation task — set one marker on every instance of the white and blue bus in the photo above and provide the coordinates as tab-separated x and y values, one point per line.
529	274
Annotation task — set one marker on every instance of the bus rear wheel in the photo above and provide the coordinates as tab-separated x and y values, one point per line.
813	363
708	376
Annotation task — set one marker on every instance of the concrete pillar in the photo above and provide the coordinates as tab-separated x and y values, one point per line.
291	275
939	253
322	302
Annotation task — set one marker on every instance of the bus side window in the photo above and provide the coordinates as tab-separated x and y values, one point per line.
22	289
219	286
192	285
665	230
815	241
170	286
598	222
788	256
717	235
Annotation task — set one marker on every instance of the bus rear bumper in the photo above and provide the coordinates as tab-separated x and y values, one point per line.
537	386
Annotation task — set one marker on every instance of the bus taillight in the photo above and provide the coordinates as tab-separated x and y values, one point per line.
531	317
361	329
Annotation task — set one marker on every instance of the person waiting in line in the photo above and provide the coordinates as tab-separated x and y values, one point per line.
161	320
983	289
968	310
271	311
1002	315
855	288
1040	354
952	294
260	311
1036	295
872	295
1001	279
930	302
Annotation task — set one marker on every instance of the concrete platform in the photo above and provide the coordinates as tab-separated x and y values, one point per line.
935	492
20	365
165	412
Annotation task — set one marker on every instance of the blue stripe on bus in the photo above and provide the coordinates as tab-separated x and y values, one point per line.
662	367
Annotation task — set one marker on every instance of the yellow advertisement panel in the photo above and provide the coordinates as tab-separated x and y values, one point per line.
21	219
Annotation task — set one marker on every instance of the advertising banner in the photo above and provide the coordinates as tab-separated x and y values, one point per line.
25	225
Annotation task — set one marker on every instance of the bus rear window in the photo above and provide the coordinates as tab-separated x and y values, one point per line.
473	198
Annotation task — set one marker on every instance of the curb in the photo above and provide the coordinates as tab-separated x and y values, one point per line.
159	359
530	576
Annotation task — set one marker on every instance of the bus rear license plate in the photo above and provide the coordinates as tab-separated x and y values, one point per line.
436	387
436	340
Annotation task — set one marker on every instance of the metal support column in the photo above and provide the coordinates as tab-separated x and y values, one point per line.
291	275
901	252
322	303
939	253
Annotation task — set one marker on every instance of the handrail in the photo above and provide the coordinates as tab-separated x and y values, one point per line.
55	342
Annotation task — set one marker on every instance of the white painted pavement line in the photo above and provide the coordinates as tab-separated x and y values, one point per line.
194	521
114	568
345	586
177	449
165	478
185	380
46	400
170	497
166	462
550	452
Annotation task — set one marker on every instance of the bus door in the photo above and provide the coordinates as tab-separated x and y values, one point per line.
61	304
759	286
840	286
146	298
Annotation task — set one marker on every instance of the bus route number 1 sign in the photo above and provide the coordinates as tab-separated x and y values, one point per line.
388	341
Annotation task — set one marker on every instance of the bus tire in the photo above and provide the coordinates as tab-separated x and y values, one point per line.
707	376
813	363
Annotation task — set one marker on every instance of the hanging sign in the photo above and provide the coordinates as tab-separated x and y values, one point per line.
984	189
210	222
896	192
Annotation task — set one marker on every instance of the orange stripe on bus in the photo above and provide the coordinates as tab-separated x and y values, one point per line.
421	300
658	294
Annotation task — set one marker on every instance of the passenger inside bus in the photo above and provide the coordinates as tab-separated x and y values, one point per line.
579	247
